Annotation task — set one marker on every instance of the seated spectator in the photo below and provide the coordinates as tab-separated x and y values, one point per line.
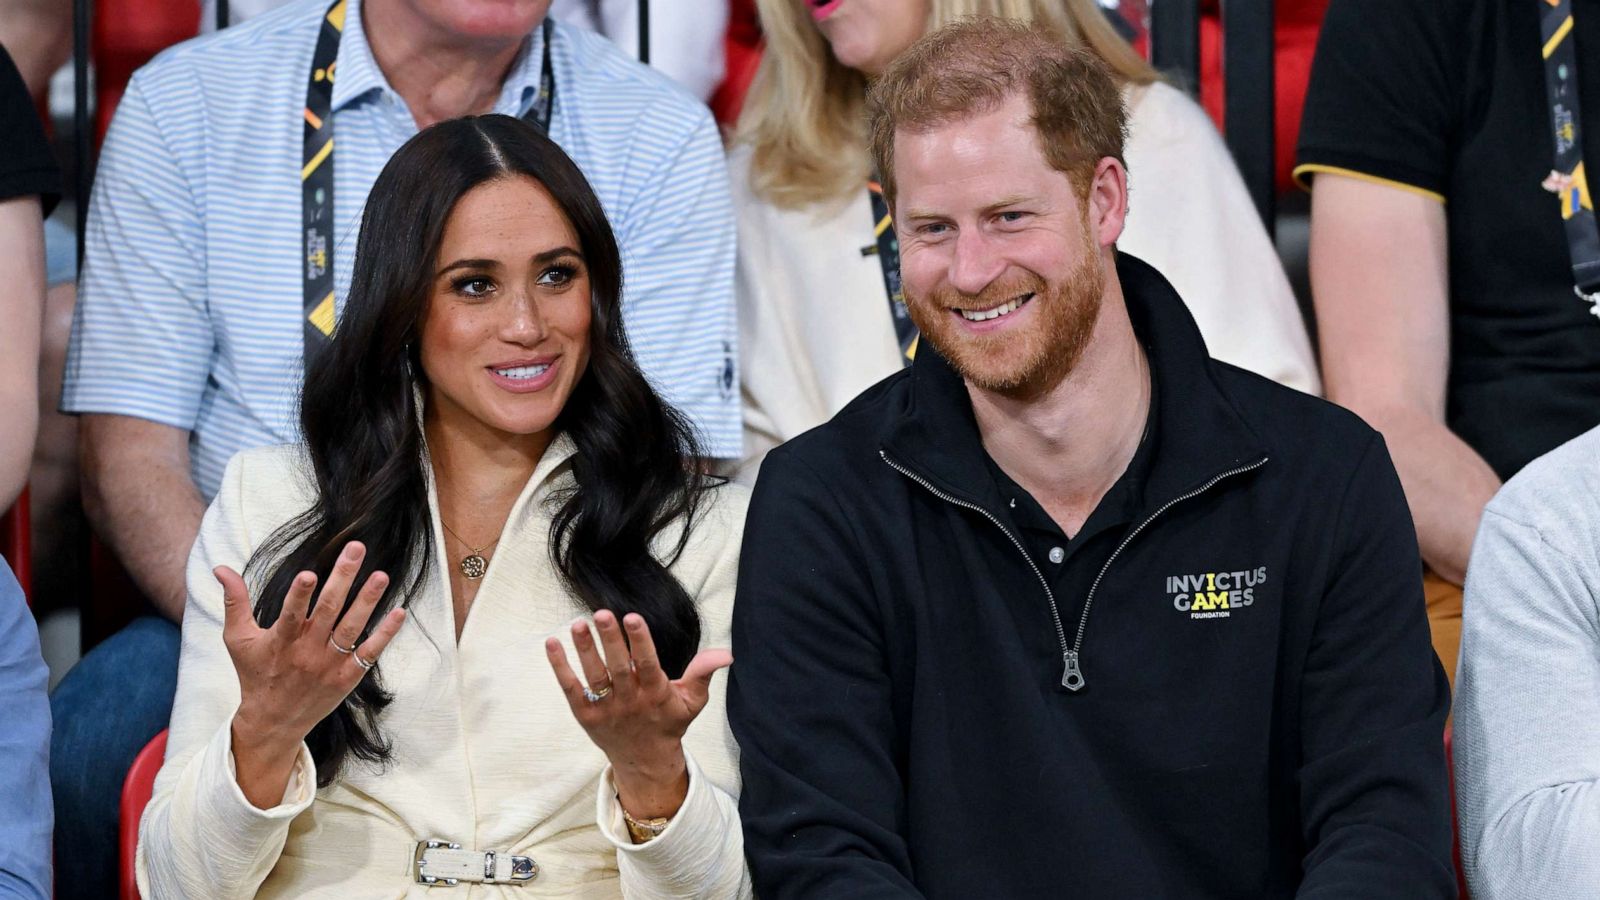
923	703
685	35
1440	268
24	751
1527	716
483	460
30	185
218	253
821	317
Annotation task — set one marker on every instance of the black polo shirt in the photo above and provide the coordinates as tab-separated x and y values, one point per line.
1071	564
26	166
1447	98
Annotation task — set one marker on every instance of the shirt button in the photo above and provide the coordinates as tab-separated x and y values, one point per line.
1057	554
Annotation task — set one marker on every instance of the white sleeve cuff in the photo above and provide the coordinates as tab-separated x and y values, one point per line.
701	849
229	798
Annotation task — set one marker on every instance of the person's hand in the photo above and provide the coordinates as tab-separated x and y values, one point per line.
293	674
637	715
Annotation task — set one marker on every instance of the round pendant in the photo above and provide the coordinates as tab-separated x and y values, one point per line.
473	566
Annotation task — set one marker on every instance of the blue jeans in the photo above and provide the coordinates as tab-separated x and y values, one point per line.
105	710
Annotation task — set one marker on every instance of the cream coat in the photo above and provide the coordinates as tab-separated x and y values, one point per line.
815	331
486	751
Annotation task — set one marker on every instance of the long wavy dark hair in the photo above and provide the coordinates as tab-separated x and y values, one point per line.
634	473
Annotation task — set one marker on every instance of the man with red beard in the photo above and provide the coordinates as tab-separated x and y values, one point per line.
1068	608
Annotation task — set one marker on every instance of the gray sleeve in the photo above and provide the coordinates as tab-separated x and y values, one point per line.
25	811
1527	720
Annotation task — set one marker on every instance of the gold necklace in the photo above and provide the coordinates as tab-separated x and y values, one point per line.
473	565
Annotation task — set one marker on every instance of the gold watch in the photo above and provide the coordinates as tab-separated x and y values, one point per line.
643	830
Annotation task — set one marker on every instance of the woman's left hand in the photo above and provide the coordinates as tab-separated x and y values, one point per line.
632	711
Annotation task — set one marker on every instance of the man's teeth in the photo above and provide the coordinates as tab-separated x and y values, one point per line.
1001	310
523	371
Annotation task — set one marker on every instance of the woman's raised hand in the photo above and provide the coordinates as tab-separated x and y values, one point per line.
299	670
632	711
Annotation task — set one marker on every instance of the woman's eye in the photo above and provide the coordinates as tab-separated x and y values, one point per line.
557	275
473	287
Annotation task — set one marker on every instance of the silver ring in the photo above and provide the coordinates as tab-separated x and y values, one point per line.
335	645
362	662
594	696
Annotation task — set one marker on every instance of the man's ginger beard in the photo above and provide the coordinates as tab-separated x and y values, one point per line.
1018	363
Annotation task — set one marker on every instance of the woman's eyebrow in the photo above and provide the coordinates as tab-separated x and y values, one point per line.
470	264
555	254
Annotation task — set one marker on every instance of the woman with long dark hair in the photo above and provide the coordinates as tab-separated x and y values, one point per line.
485	477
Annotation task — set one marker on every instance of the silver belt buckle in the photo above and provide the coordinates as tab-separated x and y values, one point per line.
451	865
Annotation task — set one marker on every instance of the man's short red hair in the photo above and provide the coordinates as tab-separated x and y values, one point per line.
972	66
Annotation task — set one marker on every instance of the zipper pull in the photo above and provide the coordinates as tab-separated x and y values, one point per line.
1072	678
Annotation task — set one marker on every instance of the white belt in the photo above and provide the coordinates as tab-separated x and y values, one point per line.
445	863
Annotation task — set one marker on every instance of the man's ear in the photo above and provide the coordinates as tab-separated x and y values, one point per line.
1108	201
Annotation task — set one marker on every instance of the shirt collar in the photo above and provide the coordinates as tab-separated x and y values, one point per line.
1196	430
358	74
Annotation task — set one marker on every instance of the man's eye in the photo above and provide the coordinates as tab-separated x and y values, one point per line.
935	228
1013	215
475	286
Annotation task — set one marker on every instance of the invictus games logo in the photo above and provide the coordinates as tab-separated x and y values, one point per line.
1215	595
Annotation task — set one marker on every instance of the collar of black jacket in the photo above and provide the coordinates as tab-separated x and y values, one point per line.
1199	431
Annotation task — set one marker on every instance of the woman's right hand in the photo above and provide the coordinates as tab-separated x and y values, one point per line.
293	674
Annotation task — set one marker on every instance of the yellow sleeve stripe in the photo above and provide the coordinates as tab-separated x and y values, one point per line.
1302	170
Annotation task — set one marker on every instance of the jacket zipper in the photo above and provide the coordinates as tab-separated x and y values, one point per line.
1072	675
1055	614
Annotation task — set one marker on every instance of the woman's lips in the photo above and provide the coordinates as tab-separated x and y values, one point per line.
825	8
526	385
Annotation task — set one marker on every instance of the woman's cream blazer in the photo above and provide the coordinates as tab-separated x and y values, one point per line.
486	751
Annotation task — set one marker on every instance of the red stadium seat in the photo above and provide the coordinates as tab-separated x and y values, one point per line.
741	48
16	543
135	794
127	34
1295	27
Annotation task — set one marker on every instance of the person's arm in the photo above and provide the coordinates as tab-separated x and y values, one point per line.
21	309
700	855
141	499
1380	285
200	836
142	345
1374	800
1527	721
677	241
237	770
810	701
25	813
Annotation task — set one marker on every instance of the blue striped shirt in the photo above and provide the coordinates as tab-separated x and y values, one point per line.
190	304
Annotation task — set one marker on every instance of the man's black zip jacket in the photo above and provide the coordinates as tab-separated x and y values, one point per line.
1261	713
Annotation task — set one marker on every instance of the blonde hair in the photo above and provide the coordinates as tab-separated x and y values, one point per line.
950	75
805	117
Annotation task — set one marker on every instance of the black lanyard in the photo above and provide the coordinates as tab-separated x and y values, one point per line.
316	173
1568	180
887	248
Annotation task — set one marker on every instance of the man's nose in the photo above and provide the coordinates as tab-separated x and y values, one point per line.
975	264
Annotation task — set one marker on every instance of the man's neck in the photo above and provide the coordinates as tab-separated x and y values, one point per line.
440	76
1068	446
